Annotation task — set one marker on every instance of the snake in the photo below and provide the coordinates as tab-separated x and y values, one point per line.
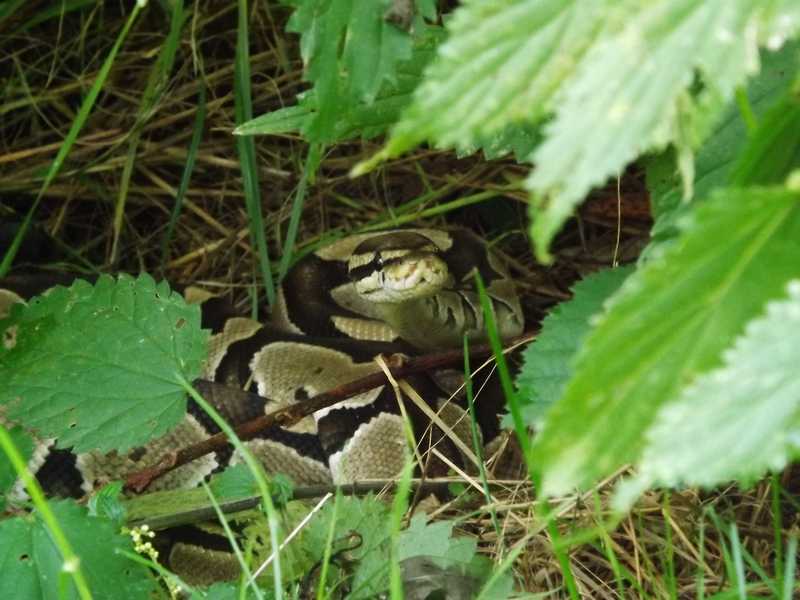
389	292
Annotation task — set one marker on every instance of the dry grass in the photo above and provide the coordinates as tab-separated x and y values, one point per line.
666	548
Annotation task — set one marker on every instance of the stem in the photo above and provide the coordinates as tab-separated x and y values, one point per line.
72	562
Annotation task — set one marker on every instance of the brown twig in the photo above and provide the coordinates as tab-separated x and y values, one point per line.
285	417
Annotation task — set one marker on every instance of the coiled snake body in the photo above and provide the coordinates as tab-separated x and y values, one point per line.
388	292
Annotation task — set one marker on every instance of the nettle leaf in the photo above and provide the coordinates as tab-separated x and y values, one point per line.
435	563
547	365
620	72
773	150
669	323
350	50
8	475
751	404
356	118
32	565
716	157
501	64
357	519
99	367
627	91
434	540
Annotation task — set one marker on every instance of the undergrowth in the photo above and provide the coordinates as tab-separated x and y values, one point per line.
635	162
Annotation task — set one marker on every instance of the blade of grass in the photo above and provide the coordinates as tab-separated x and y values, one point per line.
232	539
777	525
608	548
8	8
69	140
72	562
243	107
326	556
54	11
522	432
478	446
439	209
669	550
723	545
186	176
255	469
701	574
156	84
789	583
505	375
399	508
315	151
736	550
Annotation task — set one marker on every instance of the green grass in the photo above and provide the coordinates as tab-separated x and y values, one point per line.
69	140
156	86
247	152
191	157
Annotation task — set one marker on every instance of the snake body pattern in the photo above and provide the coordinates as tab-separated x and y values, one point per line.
386	292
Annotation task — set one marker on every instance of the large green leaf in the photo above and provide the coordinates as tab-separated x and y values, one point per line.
502	63
547	363
32	566
99	367
617	76
669	323
739	420
715	159
627	91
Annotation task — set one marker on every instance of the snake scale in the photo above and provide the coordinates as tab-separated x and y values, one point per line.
382	293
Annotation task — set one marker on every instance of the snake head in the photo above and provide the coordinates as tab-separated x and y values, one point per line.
397	267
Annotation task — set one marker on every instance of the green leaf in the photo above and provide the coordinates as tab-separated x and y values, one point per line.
237	481
547	365
8	475
107	503
518	140
32	566
774	149
353	119
669	323
350	50
434	540
99	367
751	404
501	65
716	157
283	120
437	564
620	72
234	482
628	89
366	518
